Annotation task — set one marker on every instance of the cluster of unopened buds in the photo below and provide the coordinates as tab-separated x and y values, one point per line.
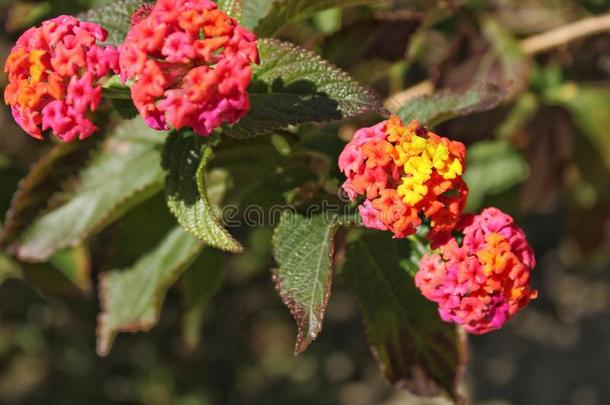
188	65
404	176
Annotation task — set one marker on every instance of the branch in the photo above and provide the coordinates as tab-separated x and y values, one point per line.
568	33
531	46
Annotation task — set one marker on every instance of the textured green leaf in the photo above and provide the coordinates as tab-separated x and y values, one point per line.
285	12
45	178
415	349
303	248
114	17
126	171
493	167
434	109
294	86
132	298
199	284
185	158
233	8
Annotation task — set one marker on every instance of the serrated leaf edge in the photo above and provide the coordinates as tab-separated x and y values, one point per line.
313	57
9	225
234	10
105	341
240	133
441	117
127	202
305	336
232	245
402	383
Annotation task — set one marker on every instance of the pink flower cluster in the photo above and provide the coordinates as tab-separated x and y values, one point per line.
483	282
190	66
54	72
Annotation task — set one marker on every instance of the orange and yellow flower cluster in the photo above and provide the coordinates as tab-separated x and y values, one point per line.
405	173
483	281
190	65
54	72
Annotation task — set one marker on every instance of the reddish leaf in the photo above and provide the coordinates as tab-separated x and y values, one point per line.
415	349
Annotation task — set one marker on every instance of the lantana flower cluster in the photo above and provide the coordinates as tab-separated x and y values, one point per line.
405	174
190	66
479	269
54	72
483	281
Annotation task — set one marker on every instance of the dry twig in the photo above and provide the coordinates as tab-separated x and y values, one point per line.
531	46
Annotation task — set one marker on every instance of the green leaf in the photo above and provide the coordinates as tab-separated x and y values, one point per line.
415	349
22	15
126	171
66	274
328	21
418	247
439	107
114	17
588	106
119	95
493	167
9	268
303	248
132	298
121	248
294	86
233	8
75	265
259	175
286	12
253	11
199	284
10	178
45	178
185	157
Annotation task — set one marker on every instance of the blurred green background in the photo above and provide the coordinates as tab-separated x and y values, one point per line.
543	156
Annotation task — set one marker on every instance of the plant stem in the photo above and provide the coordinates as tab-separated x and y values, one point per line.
531	46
